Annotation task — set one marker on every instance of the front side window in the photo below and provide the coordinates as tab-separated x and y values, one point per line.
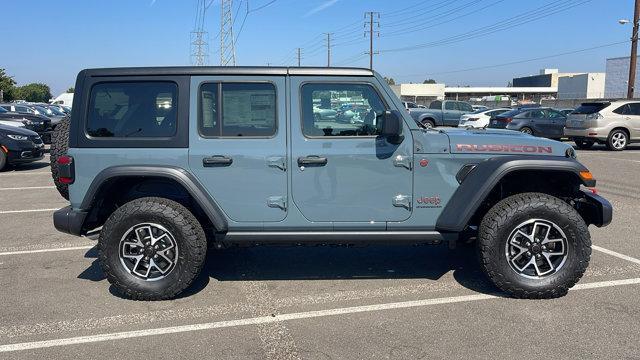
634	108
450	106
323	113
132	109
465	107
245	109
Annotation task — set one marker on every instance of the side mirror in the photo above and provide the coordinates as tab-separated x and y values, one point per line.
392	127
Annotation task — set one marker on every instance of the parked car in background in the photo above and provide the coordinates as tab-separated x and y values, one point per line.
479	108
613	123
19	146
544	122
441	113
324	114
38	123
480	118
566	111
52	113
12	123
19	108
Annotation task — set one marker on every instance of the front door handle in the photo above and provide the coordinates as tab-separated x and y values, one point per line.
312	160
217	160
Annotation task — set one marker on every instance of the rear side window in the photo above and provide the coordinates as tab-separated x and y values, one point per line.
590	108
436	105
628	109
132	109
237	109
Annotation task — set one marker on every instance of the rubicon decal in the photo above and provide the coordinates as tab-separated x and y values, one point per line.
504	148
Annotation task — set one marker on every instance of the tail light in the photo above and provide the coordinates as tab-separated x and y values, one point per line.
66	169
594	116
505	119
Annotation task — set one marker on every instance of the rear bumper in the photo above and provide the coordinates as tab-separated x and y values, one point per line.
69	221
589	133
595	209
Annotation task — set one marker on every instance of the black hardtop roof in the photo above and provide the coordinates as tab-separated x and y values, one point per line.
228	70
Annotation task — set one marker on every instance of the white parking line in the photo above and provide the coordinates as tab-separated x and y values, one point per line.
28	188
21	252
616	254
277	318
26	211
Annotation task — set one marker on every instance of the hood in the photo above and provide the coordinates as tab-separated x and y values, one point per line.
12	130
496	141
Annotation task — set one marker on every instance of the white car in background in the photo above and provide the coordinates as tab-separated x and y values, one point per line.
480	118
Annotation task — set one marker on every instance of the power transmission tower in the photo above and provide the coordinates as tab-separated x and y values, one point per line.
328	49
299	56
373	24
227	42
199	48
634	52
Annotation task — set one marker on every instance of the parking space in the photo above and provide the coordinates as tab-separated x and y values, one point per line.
319	302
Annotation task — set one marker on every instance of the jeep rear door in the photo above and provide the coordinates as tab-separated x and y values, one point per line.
237	144
343	172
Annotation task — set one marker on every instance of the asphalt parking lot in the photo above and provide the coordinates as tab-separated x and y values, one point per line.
313	303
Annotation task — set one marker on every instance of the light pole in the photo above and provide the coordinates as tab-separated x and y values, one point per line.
634	49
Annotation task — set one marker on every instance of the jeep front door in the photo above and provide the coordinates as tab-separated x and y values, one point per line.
237	145
343	171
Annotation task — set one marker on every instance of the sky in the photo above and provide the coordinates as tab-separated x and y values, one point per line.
51	41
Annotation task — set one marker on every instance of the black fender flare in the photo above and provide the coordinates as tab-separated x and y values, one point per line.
178	174
478	183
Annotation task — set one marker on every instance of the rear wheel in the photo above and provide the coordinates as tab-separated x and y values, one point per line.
526	130
59	147
428	124
152	249
584	144
534	245
617	140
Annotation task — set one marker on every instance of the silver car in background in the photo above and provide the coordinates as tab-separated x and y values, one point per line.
613	123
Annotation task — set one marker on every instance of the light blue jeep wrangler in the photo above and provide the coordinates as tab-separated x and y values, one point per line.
166	162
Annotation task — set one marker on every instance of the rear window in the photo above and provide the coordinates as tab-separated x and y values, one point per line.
132	109
590	108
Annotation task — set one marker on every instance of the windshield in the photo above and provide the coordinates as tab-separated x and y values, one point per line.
590	108
41	110
2	110
510	113
55	111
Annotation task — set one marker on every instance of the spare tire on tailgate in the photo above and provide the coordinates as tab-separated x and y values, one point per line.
59	147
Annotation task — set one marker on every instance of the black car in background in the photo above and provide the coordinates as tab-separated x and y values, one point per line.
538	121
19	146
37	123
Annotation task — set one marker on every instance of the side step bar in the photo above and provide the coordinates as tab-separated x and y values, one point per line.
331	237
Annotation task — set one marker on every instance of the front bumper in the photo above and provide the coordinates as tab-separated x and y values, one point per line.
69	221
595	209
25	154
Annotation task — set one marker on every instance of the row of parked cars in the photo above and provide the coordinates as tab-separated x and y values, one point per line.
23	127
615	124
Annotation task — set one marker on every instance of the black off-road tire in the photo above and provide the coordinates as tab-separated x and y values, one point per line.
504	217
59	147
584	144
180	222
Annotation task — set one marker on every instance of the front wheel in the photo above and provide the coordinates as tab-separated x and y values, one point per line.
152	249
534	245
526	130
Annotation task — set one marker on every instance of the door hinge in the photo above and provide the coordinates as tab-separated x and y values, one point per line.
402	201
277	162
279	202
403	161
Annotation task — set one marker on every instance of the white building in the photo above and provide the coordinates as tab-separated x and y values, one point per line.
581	86
63	99
618	78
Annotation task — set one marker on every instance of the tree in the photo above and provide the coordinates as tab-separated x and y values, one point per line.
70	90
34	92
429	81
7	85
390	81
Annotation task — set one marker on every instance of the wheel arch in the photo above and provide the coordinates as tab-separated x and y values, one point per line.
496	178
140	181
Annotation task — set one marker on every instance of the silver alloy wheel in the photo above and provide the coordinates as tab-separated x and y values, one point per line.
536	248
619	140
427	124
148	251
526	131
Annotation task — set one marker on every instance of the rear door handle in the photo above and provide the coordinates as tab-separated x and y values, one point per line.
217	160
312	160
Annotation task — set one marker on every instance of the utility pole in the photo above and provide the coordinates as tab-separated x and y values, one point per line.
227	42
634	52
329	49
299	56
373	32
